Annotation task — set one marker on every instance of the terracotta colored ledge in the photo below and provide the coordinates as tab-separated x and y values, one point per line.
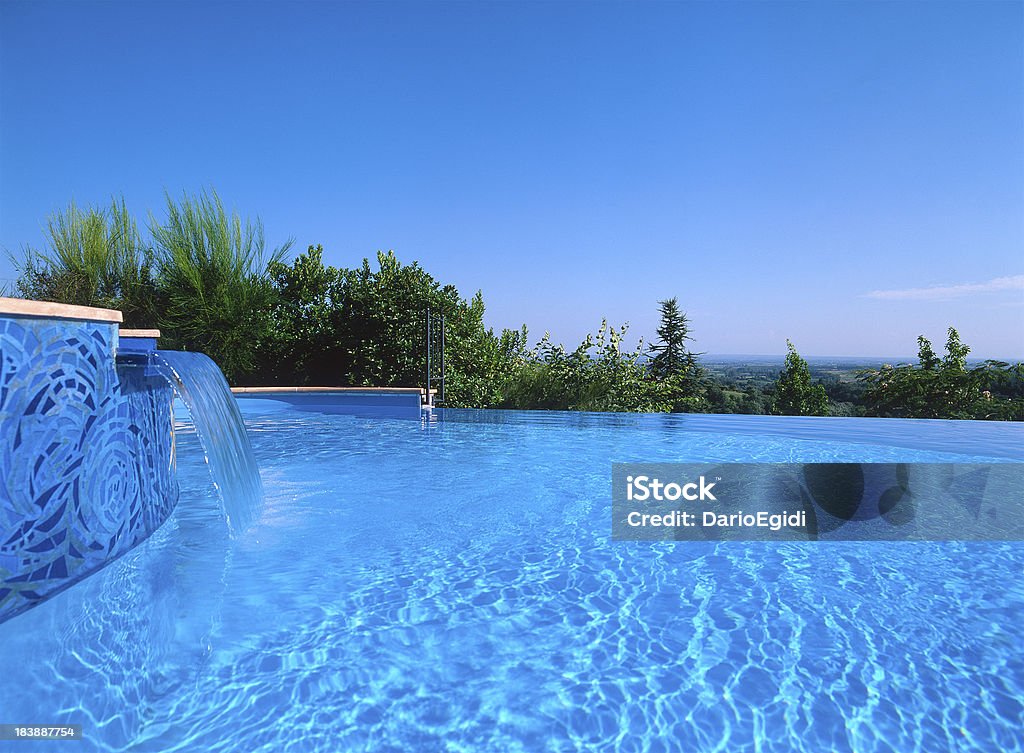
148	333
50	310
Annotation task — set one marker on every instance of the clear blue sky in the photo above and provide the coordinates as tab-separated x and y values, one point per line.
848	175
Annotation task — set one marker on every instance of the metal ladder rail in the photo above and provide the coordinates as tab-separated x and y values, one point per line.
435	336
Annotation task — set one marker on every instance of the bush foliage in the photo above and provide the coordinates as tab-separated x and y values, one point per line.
96	258
947	387
794	394
366	326
212	276
205	278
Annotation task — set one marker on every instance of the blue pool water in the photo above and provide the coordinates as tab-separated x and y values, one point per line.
451	585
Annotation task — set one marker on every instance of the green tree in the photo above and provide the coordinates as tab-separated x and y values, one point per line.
303	344
683	381
945	388
367	326
669	354
925	355
793	393
96	257
598	375
214	291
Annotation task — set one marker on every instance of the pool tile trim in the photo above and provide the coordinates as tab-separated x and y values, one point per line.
50	310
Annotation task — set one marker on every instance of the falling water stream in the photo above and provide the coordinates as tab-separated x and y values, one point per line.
202	387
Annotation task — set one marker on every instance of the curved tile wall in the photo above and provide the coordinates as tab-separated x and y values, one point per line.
86	452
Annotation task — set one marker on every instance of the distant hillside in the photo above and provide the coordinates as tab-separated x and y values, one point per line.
761	370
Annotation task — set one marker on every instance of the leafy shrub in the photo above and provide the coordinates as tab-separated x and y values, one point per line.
793	393
365	326
946	387
96	257
214	292
596	376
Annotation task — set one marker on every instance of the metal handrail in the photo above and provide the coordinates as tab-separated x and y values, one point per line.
434	333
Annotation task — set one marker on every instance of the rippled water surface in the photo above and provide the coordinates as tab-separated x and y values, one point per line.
452	586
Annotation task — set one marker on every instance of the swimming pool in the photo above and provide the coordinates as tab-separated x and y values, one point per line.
451	585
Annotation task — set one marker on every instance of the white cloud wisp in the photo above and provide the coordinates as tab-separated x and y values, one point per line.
946	292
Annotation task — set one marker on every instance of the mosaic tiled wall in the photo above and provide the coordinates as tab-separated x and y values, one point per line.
86	457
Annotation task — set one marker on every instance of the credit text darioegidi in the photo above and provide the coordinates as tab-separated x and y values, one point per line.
710	519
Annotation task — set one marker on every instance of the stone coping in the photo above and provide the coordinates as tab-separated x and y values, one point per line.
147	333
257	390
50	310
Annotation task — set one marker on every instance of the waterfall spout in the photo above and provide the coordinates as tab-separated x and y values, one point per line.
202	387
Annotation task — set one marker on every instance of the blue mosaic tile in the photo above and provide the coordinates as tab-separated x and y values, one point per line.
86	456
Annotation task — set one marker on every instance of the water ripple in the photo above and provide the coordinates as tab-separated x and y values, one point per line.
454	588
